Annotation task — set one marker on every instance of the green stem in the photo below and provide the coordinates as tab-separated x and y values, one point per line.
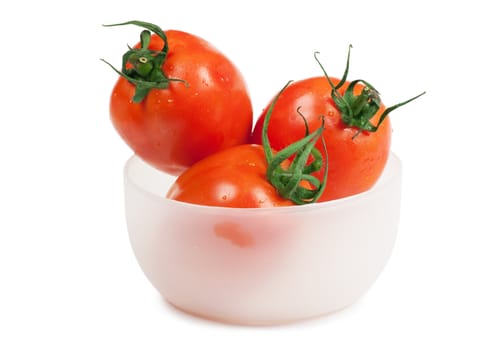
144	67
289	182
357	110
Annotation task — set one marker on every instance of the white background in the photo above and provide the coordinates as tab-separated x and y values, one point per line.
68	278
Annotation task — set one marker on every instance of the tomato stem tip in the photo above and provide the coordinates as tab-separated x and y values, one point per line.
289	182
144	67
358	110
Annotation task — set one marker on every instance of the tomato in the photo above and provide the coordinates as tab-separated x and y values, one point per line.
357	149
354	163
235	177
178	99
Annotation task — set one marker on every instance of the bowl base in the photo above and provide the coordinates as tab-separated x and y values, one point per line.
251	322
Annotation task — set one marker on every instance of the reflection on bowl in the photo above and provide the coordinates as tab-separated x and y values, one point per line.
265	265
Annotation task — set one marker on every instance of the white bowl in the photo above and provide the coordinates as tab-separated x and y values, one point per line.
266	265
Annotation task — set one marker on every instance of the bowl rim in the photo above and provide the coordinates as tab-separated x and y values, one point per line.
384	181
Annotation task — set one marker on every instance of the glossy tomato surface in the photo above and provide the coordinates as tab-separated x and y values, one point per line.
235	177
355	163
175	127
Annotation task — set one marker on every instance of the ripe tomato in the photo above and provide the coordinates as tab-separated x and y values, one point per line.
357	149
178	99
235	177
354	164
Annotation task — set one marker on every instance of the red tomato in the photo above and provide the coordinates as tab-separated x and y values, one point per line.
235	177
176	104
356	158
354	164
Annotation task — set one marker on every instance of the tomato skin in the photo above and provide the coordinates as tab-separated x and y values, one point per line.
354	164
234	177
173	128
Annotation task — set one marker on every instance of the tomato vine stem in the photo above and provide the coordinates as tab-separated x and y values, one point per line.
290	181
358	110
144	67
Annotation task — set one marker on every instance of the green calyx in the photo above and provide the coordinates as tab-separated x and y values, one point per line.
142	66
358	110
290	182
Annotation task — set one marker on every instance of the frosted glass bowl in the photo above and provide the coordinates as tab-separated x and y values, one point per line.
260	266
